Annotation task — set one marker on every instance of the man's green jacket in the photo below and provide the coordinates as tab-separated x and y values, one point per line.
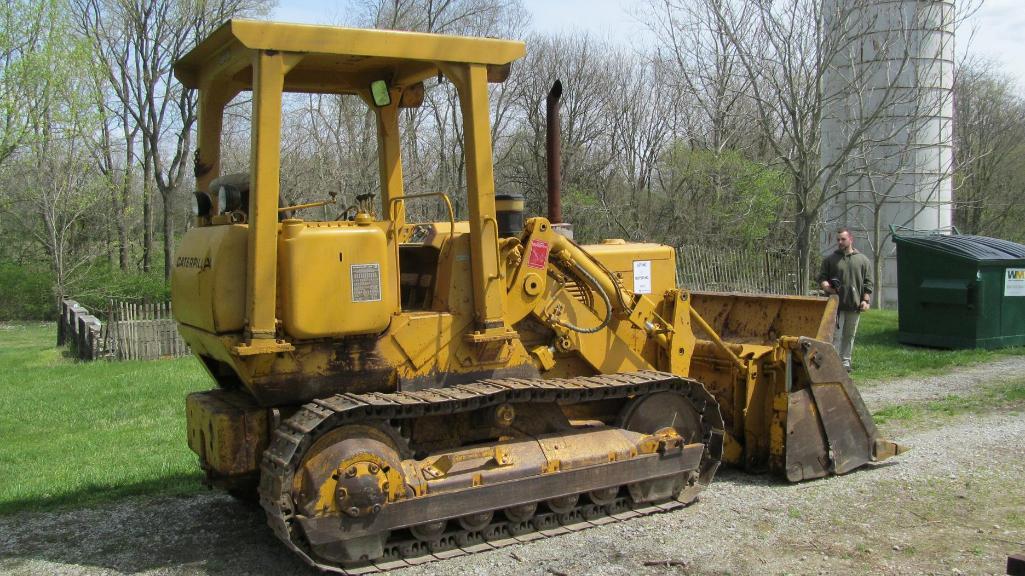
854	272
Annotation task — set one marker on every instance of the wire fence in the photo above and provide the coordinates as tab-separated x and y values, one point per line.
718	269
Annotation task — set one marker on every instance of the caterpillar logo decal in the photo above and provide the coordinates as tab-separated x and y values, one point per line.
1014	282
192	262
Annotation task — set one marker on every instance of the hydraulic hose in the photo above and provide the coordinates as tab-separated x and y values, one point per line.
604	297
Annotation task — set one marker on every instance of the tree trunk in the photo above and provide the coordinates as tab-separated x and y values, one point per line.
109	227
804	226
878	240
126	197
147	212
168	204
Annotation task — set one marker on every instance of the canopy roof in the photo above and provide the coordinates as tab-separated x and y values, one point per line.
337	60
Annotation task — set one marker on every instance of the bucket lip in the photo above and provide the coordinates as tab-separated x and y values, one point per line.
966	245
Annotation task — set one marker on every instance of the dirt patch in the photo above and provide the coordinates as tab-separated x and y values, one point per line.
953	505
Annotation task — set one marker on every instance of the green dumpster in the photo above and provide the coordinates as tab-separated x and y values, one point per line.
960	291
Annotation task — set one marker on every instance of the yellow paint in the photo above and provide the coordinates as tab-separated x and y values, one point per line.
489	294
619	258
269	69
319	263
389	481
227	430
418	53
390	159
270	59
210	278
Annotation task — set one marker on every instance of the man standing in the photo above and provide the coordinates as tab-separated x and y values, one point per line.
847	273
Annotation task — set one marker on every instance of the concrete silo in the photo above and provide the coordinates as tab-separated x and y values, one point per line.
887	122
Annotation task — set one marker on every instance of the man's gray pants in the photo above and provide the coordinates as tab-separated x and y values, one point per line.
843	337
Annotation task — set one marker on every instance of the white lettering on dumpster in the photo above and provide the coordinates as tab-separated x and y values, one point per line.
1014	282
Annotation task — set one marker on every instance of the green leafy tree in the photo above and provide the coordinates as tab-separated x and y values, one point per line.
50	185
721	199
30	38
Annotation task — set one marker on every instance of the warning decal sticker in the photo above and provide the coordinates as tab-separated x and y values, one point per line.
538	254
366	282
642	276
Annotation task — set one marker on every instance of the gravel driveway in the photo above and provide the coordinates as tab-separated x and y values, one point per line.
954	504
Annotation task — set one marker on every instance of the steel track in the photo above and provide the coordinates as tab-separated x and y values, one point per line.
292	439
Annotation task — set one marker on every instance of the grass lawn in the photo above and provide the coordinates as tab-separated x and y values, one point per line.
878	355
76	433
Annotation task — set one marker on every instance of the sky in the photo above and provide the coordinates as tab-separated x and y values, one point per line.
996	30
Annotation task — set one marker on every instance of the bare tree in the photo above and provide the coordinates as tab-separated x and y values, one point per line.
138	41
784	50
989	149
60	191
585	67
113	150
898	172
889	189
708	70
329	144
432	144
464	17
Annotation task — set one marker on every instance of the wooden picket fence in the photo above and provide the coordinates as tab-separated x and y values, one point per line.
732	270
133	331
141	331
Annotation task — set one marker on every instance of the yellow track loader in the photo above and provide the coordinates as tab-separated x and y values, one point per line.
400	391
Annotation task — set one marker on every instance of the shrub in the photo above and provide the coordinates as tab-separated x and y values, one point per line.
104	283
26	292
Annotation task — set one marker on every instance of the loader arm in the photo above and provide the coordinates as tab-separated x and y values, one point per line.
789	406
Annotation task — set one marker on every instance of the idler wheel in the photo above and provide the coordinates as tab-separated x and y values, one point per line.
661	412
428	532
649	414
563	504
351	473
476	522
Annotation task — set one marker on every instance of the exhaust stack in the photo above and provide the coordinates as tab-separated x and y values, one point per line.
553	144
553	149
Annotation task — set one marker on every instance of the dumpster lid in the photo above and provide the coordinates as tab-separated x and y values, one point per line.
968	246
